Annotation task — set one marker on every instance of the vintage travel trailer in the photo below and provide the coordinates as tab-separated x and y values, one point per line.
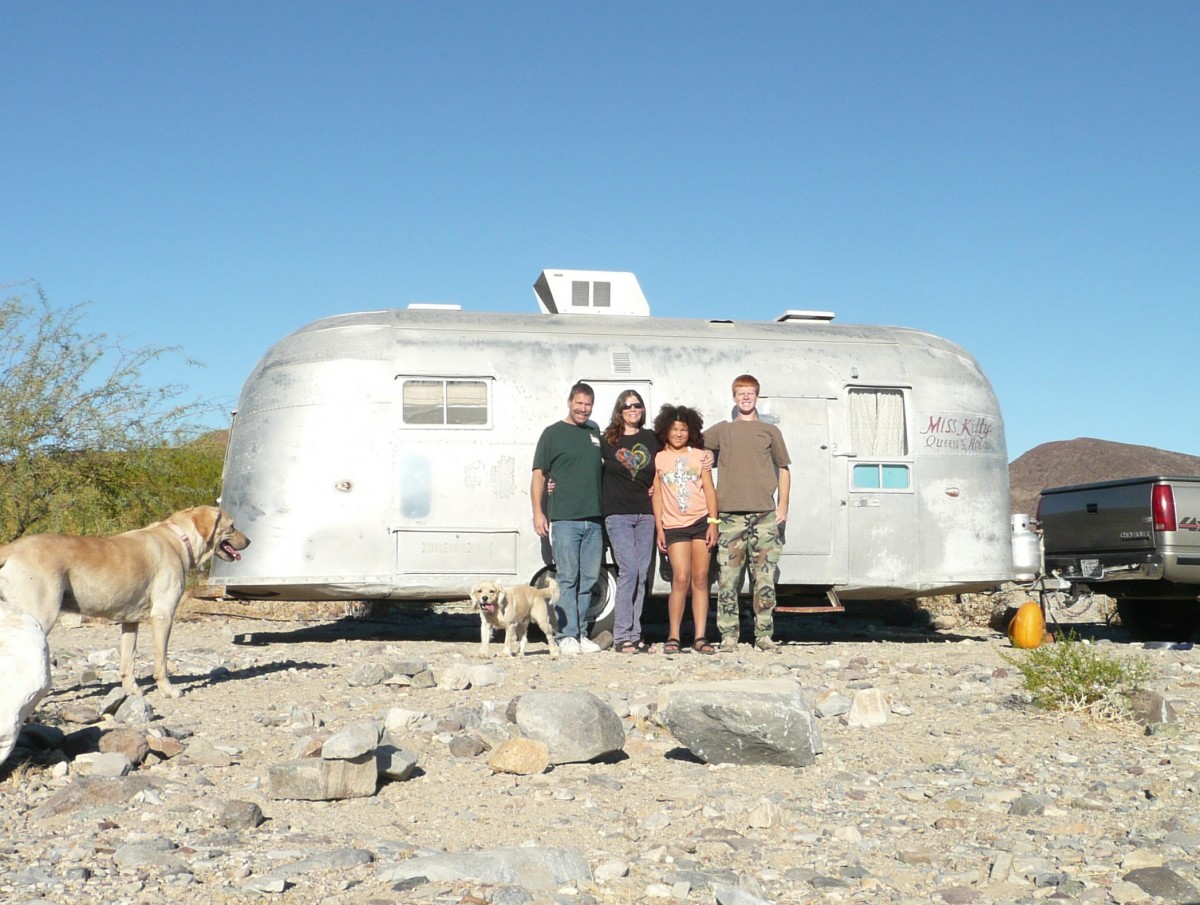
387	454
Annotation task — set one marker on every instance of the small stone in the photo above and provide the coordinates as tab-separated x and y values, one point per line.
1027	806
164	746
79	713
1165	883
202	751
424	679
467	746
610	870
135	710
130	742
103	765
351	742
520	756
241	815
395	763
869	709
368	675
831	703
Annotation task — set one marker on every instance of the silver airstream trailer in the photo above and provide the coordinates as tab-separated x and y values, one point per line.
387	454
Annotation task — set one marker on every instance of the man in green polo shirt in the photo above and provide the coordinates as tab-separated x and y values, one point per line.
568	452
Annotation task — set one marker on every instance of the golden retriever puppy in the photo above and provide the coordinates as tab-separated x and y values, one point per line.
512	608
128	578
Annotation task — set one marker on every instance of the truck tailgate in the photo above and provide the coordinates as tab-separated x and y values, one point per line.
1098	518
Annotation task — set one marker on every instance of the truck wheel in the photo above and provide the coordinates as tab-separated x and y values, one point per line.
603	609
1159	620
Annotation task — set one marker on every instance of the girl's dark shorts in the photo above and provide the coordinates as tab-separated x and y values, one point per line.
697	531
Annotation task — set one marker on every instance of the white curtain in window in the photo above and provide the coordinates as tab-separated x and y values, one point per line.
877	422
463	392
423	402
466	402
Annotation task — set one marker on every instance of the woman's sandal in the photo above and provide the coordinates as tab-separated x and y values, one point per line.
628	647
703	647
672	646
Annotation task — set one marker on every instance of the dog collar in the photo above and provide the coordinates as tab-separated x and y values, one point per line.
187	544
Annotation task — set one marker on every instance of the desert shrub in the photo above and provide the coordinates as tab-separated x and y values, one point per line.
87	445
1075	676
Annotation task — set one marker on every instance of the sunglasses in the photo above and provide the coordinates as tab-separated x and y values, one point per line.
631	405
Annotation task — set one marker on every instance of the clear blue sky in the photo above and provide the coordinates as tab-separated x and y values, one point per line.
1022	178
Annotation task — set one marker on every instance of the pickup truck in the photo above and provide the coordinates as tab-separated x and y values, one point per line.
1136	540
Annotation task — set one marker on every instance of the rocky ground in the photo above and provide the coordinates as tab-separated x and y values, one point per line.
965	794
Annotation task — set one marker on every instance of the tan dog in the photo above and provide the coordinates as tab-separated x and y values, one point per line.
127	578
512	609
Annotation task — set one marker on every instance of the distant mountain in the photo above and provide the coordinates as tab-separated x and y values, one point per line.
1085	459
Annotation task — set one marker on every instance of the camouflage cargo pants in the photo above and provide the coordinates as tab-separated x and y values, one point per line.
748	540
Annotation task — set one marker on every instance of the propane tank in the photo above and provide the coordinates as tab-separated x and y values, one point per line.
1026	550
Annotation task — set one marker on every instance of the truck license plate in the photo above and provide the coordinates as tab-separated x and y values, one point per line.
1090	568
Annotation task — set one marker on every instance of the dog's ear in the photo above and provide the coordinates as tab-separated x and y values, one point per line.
204	520
501	597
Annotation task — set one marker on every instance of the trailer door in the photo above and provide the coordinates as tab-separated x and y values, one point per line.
814	551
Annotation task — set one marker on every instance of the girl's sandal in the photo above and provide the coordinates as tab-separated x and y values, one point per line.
672	646
703	647
642	646
628	647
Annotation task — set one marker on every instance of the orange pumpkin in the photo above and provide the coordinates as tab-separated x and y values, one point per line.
1028	626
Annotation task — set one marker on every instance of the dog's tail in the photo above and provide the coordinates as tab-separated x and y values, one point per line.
552	591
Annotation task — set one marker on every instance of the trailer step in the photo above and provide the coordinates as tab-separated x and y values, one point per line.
834	604
811	609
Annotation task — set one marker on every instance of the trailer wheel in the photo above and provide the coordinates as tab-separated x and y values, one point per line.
603	611
603	608
1159	620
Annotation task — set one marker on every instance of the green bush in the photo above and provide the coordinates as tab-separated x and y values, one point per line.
1073	675
87	445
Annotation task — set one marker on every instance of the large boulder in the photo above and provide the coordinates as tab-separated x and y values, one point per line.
745	721
25	666
575	726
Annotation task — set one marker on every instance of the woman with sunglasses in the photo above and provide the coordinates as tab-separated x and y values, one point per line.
628	450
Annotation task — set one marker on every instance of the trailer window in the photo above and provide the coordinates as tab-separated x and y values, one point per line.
881	476
452	402
877	423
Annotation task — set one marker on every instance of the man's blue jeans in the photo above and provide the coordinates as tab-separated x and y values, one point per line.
578	550
632	540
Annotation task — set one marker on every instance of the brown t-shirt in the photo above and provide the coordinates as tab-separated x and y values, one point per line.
749	456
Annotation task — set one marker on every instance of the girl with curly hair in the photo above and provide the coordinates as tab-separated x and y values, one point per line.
685	516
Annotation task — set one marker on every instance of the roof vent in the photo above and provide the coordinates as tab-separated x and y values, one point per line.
791	316
606	292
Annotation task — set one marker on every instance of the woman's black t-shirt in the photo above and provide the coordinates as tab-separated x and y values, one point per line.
629	474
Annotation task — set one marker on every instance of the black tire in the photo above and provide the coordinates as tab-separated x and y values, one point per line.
1159	620
602	612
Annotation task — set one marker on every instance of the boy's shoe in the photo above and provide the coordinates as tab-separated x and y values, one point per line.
569	647
729	644
765	644
588	646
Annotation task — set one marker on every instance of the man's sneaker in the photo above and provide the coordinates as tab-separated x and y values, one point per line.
765	644
568	647
729	645
588	646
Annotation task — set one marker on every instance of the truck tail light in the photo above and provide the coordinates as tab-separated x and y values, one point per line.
1163	505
